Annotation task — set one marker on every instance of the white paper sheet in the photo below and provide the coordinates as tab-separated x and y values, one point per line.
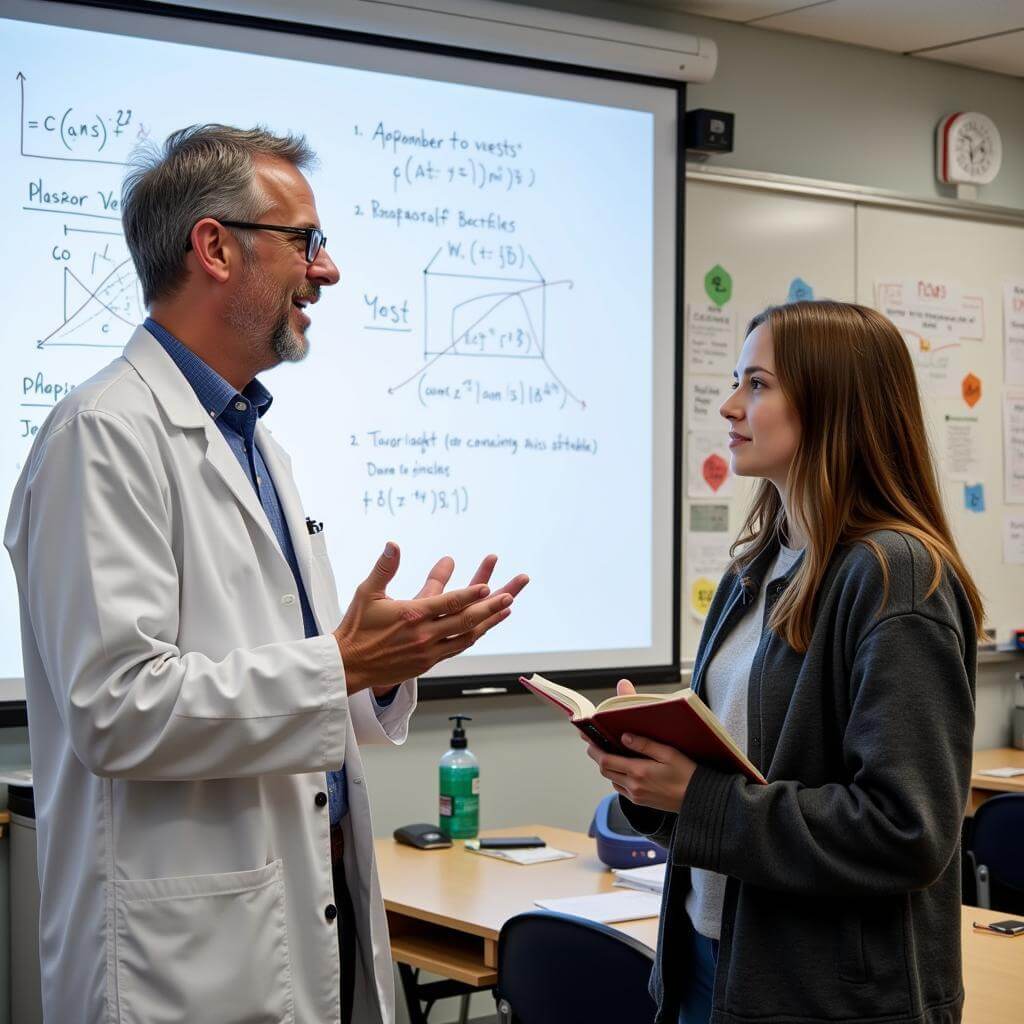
1013	334
1013	538
710	340
530	855
709	471
962	448
650	878
704	396
935	319
705	556
1013	447
607	907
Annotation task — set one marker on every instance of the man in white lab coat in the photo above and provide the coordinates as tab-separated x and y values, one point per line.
190	676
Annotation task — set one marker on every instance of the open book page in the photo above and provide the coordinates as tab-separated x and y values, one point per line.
568	700
680	720
633	700
579	707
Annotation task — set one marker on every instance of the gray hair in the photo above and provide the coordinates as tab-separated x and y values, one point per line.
201	171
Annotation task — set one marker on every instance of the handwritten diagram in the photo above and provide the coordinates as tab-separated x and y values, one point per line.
491	313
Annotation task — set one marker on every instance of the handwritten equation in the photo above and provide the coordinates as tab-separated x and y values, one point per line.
472	391
393	501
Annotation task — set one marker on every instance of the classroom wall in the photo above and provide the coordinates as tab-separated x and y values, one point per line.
818	109
803	107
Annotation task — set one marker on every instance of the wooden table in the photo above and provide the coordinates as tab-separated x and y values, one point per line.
985	786
446	908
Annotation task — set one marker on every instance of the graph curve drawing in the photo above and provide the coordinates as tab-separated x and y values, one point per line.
91	313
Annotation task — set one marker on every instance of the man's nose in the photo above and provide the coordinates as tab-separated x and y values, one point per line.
323	269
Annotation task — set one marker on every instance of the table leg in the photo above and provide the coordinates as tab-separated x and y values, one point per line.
411	988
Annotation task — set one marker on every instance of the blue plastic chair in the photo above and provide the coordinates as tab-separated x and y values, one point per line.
997	853
559	969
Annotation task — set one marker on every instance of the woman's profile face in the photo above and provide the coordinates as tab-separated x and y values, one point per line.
764	430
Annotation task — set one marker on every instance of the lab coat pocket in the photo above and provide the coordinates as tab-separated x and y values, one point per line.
204	949
326	584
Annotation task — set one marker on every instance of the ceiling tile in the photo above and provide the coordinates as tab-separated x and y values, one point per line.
1004	54
903	26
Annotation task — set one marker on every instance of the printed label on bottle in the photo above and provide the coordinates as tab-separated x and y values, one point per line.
476	786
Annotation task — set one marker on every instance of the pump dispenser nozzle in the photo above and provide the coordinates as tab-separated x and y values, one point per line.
458	740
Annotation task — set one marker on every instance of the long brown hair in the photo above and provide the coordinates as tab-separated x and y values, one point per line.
863	462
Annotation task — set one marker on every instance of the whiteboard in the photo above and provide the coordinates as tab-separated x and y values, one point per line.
978	258
764	241
842	249
495	371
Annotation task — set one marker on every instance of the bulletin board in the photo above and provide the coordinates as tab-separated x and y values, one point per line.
949	274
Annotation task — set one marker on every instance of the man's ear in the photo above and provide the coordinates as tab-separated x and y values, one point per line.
213	250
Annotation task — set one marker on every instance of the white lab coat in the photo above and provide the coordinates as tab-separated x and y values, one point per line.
181	724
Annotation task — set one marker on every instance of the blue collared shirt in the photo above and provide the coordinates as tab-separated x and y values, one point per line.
235	414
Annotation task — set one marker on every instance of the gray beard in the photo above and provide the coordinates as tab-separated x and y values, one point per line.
247	314
285	343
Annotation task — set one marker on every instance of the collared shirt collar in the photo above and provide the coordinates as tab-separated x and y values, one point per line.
217	396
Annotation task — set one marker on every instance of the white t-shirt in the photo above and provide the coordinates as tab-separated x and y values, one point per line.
726	682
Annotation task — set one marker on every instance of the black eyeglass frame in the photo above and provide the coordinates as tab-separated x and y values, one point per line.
315	238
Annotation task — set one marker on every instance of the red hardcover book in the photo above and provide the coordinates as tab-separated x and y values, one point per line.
681	720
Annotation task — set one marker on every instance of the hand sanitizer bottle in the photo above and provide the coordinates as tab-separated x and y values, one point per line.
459	786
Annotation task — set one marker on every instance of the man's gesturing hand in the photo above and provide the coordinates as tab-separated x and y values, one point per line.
383	641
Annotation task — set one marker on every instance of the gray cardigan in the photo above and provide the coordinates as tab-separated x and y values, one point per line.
843	898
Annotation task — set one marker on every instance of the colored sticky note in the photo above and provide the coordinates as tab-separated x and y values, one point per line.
701	593
974	497
715	471
800	291
970	389
718	285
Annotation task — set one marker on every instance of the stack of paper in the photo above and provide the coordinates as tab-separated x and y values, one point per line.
607	906
647	879
529	855
1000	773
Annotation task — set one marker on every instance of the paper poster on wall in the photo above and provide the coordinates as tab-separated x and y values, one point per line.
1013	333
1013	447
935	319
709	518
706	558
962	447
1013	538
710	341
936	310
704	397
708	465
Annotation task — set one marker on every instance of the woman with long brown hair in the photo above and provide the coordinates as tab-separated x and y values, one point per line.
840	653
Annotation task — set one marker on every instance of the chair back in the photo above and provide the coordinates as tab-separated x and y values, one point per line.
997	851
559	969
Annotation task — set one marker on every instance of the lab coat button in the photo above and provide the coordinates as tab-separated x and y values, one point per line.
320	799
288	599
330	912
358	782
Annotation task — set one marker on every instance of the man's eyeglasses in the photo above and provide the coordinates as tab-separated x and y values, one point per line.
315	239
